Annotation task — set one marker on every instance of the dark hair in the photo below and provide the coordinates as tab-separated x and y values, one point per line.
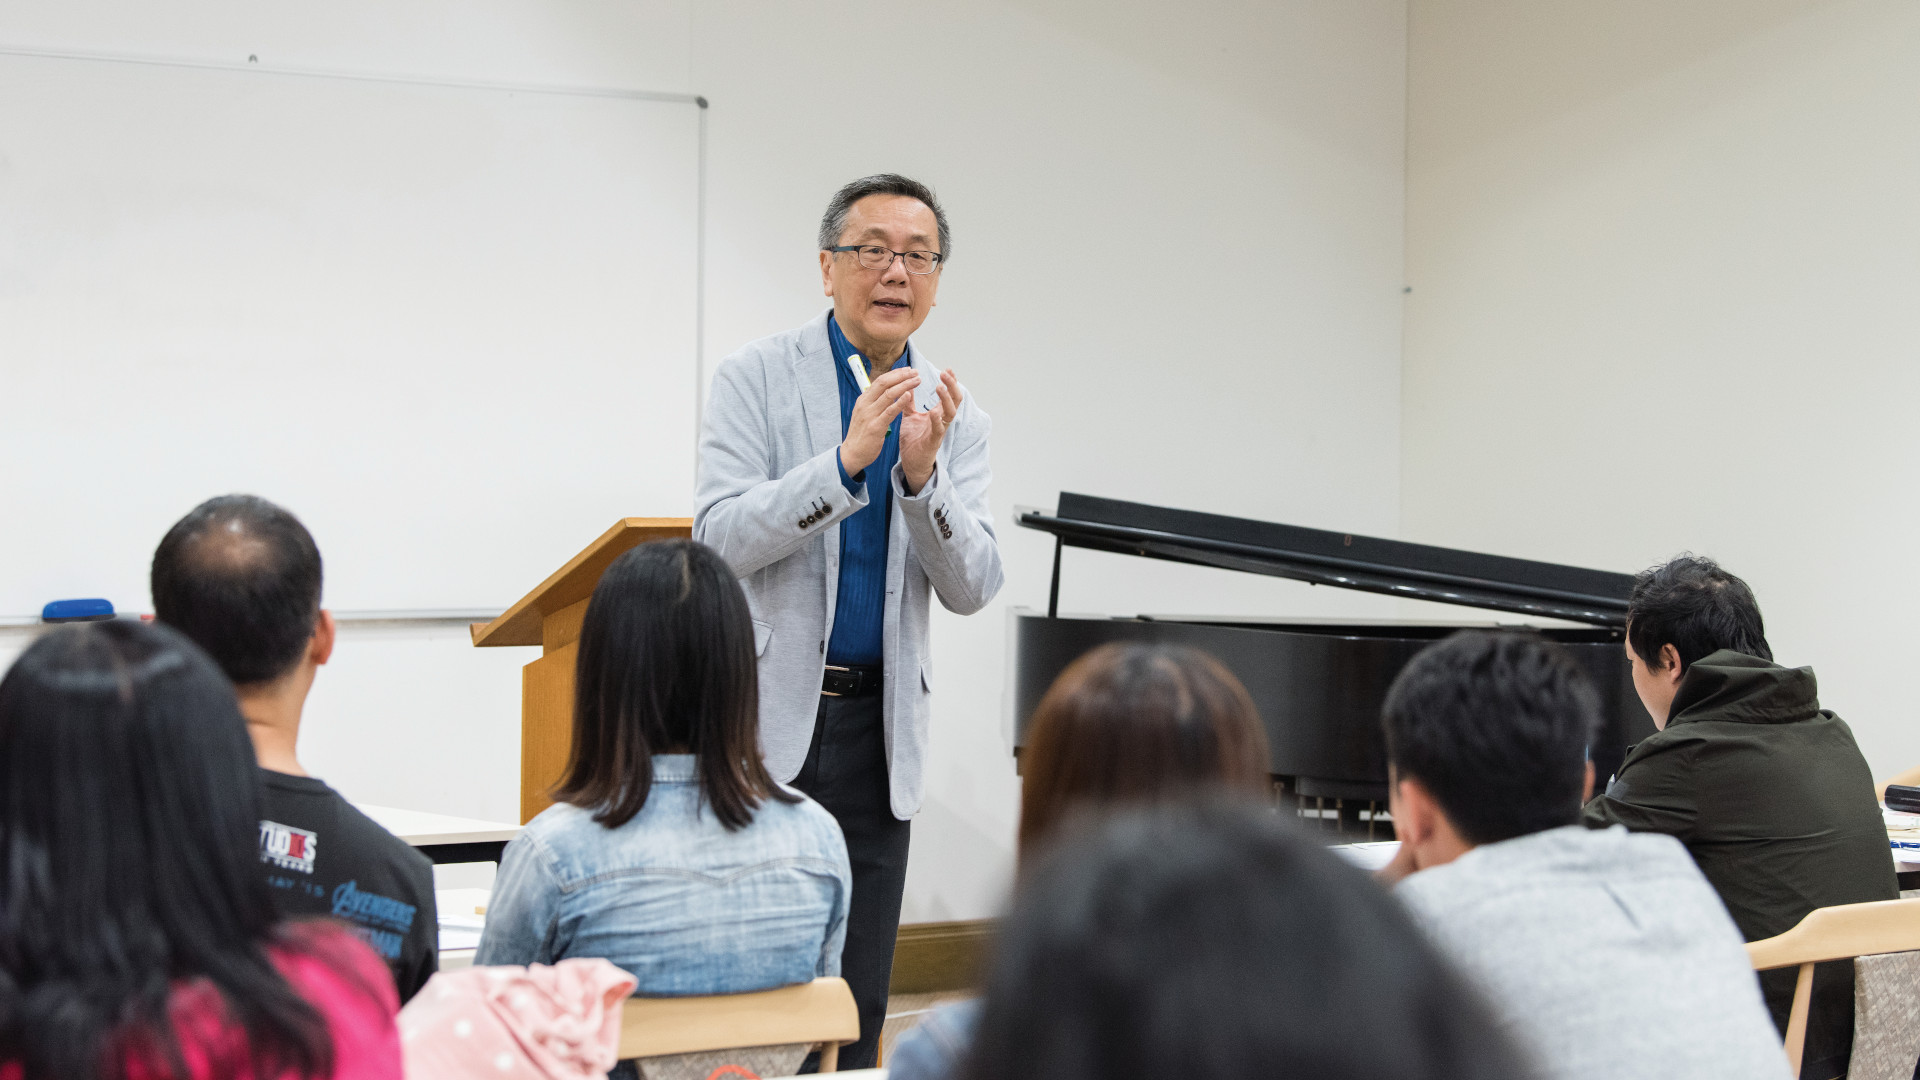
129	863
241	577
1133	723
667	665
1495	724
1698	608
1216	942
834	221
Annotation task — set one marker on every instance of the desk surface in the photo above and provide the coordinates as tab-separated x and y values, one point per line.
1903	833
463	914
1373	856
418	827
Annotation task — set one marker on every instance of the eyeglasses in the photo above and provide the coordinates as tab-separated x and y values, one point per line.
875	257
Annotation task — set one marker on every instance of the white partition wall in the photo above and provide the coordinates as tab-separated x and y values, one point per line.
1175	278
1663	268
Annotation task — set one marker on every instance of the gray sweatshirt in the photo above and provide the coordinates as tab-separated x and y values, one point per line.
1603	954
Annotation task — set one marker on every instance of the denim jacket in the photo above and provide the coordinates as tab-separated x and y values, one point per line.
673	897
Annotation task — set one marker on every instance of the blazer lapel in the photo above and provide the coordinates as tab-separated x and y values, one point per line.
819	386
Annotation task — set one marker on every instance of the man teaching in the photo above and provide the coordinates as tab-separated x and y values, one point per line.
840	504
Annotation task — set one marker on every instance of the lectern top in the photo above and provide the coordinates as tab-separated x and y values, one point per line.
574	582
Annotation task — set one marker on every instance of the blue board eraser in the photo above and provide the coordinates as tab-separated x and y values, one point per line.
92	610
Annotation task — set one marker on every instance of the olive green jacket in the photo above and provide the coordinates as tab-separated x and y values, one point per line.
1772	799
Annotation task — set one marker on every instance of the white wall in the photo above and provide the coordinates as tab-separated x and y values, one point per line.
1176	279
1664	275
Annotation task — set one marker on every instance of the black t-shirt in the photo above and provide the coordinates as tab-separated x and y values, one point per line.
323	857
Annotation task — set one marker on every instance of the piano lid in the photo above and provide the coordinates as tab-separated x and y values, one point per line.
1343	560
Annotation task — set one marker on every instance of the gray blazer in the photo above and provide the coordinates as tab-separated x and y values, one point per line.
769	499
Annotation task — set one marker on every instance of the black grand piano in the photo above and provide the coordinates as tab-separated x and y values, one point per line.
1319	684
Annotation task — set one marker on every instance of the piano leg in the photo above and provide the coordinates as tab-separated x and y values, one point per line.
1053	590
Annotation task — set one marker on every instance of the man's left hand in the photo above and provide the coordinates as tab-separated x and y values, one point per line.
921	434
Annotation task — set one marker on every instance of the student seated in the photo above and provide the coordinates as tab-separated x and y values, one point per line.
1766	789
1602	953
670	851
241	577
1124	725
138	935
1220	942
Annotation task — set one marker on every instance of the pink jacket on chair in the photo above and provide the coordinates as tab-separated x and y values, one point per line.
560	1022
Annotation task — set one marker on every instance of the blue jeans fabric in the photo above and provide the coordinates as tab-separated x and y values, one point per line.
673	897
935	1048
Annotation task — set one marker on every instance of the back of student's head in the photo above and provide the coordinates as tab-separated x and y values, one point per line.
241	577
1495	725
1215	942
129	856
1697	607
667	665
1132	723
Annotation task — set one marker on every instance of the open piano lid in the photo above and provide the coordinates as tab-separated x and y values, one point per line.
1343	560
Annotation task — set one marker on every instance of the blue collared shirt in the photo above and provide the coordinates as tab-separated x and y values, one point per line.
860	611
680	901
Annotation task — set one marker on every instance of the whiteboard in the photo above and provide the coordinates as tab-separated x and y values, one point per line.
453	328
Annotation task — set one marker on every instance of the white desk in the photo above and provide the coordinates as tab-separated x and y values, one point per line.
1901	829
448	839
420	828
1370	856
443	837
1903	834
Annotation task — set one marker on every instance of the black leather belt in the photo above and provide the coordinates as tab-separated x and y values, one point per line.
854	680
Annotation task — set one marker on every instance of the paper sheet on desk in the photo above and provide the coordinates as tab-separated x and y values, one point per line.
462	917
1370	856
1903	835
461	931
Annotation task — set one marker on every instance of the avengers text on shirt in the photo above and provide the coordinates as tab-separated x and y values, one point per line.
380	921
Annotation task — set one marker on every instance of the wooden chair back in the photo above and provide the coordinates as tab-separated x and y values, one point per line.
819	1012
1834	933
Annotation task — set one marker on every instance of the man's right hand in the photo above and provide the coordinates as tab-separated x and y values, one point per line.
873	414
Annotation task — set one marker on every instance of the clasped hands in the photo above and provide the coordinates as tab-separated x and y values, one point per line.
889	396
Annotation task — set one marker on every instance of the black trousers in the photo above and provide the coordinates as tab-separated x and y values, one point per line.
846	772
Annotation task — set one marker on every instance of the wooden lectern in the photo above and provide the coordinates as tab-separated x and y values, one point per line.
550	617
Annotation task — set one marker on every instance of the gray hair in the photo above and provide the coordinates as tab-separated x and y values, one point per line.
834	221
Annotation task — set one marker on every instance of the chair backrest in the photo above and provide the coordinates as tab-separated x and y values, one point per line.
1834	933
819	1012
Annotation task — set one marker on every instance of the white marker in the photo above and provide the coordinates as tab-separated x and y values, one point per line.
859	367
